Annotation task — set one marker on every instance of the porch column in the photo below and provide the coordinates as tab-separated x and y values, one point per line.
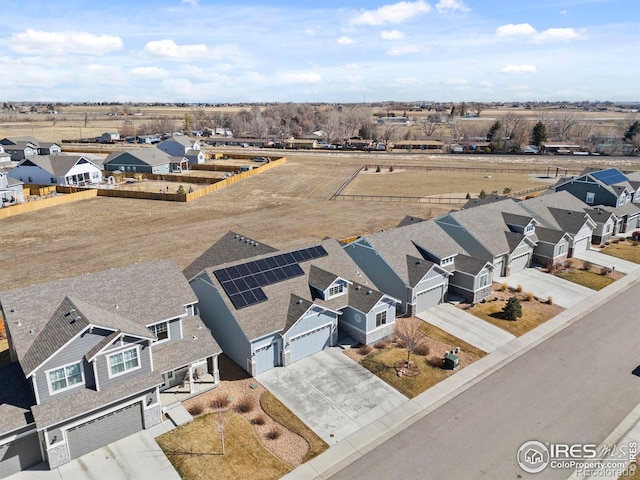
216	372
190	379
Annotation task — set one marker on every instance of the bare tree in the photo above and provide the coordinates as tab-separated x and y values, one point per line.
409	331
430	124
221	419
389	131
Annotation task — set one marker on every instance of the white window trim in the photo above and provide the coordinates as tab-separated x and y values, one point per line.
385	318
590	198
530	228
111	375
336	285
157	342
486	277
55	392
446	261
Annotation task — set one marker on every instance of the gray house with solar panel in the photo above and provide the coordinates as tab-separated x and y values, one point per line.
277	308
90	356
610	189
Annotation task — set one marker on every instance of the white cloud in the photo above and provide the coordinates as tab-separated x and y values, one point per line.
391	14
193	3
451	5
36	42
346	41
392	35
299	78
486	84
148	72
511	30
403	50
404	82
519	69
564	12
557	35
169	49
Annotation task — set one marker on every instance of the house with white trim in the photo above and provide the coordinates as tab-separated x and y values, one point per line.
183	146
65	170
90	356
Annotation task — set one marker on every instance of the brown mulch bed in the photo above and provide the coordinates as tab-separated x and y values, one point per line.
237	386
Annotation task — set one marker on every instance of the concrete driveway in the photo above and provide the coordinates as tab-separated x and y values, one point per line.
542	285
466	327
605	260
331	393
137	456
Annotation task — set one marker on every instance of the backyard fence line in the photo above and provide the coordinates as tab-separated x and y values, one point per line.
47	202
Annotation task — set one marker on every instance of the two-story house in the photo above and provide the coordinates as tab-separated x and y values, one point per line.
611	190
94	352
183	146
274	309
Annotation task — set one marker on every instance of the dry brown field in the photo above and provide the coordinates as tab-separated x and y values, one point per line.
453	183
286	206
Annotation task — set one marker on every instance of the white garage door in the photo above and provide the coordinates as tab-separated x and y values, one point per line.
19	454
429	298
581	245
266	357
310	342
518	264
109	428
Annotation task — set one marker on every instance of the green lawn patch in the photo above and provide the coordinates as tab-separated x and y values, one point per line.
626	250
381	363
592	280
534	313
195	450
281	414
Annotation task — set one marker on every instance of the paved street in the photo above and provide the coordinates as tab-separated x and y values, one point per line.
575	387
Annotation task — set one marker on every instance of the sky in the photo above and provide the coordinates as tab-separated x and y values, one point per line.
208	51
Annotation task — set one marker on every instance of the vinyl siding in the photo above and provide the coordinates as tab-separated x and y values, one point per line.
103	369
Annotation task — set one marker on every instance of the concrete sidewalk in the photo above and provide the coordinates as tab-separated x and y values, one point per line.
618	264
372	435
466	327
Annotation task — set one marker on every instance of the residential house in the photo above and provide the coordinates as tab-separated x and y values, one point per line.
11	191
183	146
4	156
21	150
40	148
275	309
559	148
419	263
62	170
433	146
506	240
610	189
91	355
109	137
144	160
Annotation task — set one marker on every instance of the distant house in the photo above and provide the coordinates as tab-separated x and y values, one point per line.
301	143
11	191
275	309
109	137
143	160
183	146
91	356
40	148
434	146
559	148
62	170
21	150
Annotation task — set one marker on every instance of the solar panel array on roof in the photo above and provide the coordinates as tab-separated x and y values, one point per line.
243	282
610	176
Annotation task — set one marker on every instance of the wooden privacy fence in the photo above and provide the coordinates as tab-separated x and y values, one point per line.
402	199
47	202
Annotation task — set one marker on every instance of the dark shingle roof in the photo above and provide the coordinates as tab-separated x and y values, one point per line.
476	202
150	156
142	293
470	265
570	221
417	268
363	298
517	220
230	248
409	220
320	278
297	307
196	344
549	235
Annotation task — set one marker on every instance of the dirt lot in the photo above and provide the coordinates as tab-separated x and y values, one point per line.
285	206
153	186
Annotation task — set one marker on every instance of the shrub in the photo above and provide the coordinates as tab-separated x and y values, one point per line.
195	409
550	300
378	169
273	434
391	168
423	350
365	350
519	288
512	309
260	420
586	266
615	240
381	345
504	287
245	405
181	190
529	296
219	401
366	168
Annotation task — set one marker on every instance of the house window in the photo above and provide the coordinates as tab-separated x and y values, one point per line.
484	279
381	318
561	248
530	228
336	290
447	261
591	196
161	331
622	200
608	230
123	362
65	377
54	180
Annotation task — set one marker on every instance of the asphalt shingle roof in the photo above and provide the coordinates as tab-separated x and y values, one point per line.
470	265
151	156
232	247
58	165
